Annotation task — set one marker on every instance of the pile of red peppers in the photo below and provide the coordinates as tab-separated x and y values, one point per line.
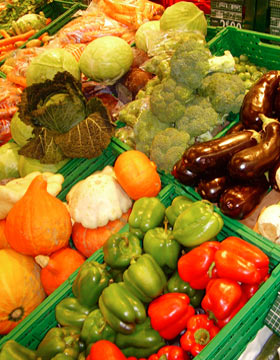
230	272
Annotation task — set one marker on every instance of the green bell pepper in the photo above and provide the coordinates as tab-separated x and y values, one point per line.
64	340
197	224
82	356
143	342
147	213
69	312
162	246
145	278
92	278
117	275
178	205
12	350
119	249
95	328
176	284
63	357
121	308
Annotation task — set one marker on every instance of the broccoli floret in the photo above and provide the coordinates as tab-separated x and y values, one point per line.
130	112
147	90
192	61
168	147
147	126
199	118
168	100
225	92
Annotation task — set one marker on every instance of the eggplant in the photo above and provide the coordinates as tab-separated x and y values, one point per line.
183	174
236	128
253	162
211	189
259	100
237	201
213	156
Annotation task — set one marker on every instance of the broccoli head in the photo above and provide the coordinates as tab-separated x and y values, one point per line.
147	126
148	88
192	61
168	100
130	112
168	147
199	118
225	92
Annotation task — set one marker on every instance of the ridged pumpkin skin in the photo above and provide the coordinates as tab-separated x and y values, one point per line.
3	239
87	241
60	265
137	174
39	223
20	288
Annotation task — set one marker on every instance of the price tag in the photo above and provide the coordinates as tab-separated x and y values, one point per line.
225	23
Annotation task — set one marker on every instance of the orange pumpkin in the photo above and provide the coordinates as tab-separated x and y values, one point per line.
21	288
39	223
137	174
87	241
58	267
3	240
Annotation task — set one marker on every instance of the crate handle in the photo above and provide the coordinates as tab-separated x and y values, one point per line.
271	38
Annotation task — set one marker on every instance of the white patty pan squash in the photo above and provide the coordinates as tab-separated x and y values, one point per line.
98	199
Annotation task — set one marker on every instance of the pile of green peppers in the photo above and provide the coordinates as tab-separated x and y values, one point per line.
110	300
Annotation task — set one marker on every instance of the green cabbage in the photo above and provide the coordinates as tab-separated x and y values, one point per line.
49	63
27	165
9	159
106	59
145	32
185	16
21	132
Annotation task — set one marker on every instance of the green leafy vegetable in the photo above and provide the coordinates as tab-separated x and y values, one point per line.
65	124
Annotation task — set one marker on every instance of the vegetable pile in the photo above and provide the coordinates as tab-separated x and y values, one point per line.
231	170
156	289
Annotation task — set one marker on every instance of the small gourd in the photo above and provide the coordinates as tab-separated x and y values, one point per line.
57	267
21	288
137	174
39	223
87	241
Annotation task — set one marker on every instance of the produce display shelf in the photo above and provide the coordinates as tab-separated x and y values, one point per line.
228	344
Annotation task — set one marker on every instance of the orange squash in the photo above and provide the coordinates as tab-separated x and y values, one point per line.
137	174
21	288
3	240
87	241
39	223
58	267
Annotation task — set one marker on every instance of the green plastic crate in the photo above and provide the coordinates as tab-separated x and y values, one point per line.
262	49
228	344
212	31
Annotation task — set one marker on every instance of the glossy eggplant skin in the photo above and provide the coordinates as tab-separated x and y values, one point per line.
237	201
253	162
212	189
183	174
259	100
236	128
212	156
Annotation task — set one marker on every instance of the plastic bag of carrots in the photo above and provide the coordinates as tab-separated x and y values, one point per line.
108	17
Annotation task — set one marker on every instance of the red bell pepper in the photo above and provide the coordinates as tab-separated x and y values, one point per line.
104	349
197	266
241	261
170	352
169	314
200	330
242	302
221	298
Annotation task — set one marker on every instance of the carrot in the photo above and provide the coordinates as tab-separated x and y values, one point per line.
44	34
17	79
48	21
7	48
13	39
4	34
8	113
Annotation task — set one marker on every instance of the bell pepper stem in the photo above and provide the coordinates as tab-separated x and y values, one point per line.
163	357
165	225
210	270
202	336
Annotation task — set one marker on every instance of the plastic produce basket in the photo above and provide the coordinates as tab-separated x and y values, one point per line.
228	344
